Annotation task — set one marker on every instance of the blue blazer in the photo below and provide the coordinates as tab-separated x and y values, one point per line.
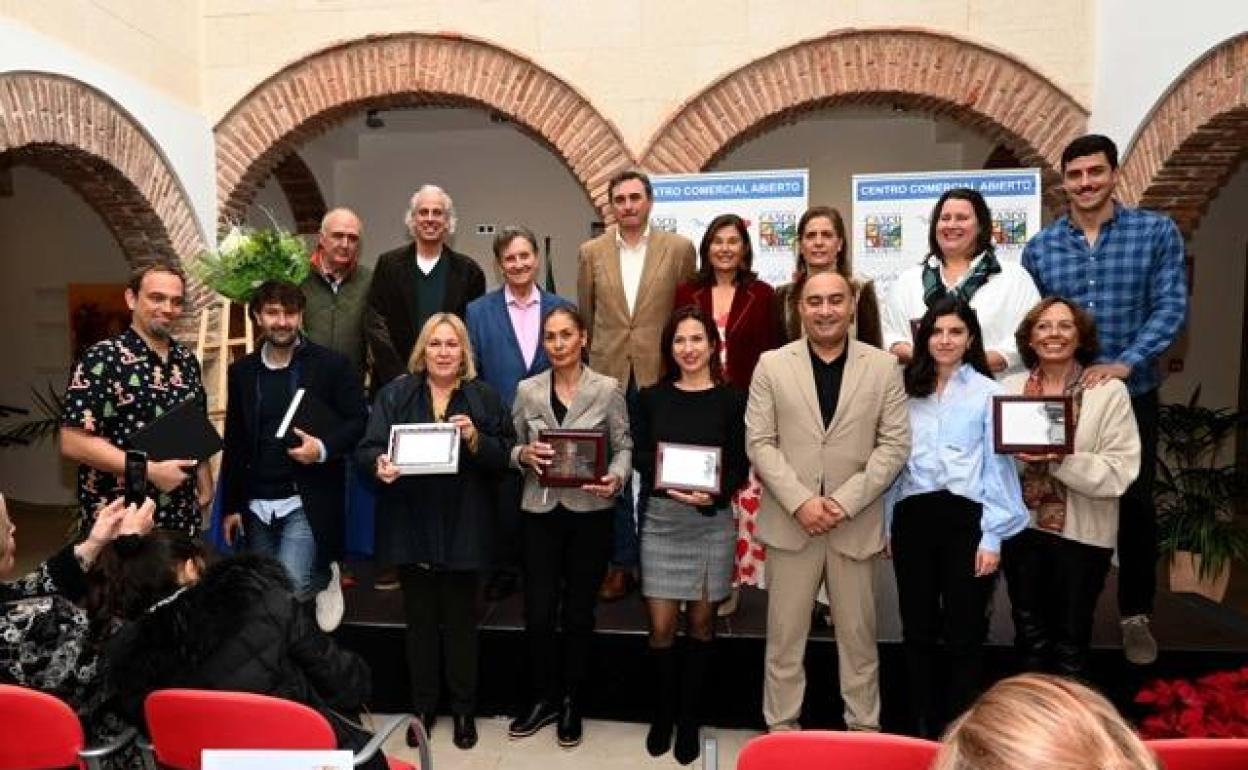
494	345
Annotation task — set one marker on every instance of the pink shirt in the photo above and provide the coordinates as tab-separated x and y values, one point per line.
526	321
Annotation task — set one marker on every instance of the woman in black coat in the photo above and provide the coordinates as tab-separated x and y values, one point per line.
437	528
234	625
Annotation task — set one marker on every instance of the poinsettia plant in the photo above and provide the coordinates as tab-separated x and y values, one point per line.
1213	706
247	257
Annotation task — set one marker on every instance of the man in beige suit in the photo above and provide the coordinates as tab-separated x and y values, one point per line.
625	287
827	431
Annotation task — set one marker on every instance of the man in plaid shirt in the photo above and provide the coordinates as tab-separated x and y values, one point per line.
1126	267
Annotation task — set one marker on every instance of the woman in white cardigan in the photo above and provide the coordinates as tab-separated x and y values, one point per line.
1056	569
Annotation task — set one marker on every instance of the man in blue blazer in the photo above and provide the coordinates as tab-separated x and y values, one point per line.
505	328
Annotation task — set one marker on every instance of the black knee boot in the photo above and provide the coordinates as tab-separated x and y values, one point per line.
663	707
692	679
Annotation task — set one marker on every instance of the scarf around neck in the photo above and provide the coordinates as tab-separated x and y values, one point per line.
934	287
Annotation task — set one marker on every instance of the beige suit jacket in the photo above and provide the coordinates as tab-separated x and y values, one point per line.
621	341
598	405
852	462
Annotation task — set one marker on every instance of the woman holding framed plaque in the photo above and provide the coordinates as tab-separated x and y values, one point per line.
1055	569
436	440
689	442
576	454
949	510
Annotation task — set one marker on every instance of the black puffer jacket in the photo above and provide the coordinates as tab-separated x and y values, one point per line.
239	628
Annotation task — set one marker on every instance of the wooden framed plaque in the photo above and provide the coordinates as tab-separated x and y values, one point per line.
688	468
580	457
425	448
1033	424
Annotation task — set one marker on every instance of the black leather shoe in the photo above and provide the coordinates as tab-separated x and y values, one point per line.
465	732
426	721
501	585
535	719
569	730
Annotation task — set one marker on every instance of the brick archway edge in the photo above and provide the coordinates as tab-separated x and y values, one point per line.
76	133
411	69
935	73
1193	139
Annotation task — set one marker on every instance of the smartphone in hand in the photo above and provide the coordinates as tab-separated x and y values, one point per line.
135	477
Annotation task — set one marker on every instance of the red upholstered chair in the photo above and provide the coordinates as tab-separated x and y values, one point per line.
182	723
41	731
826	750
1201	753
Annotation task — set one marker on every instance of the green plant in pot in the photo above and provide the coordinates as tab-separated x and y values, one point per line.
1200	532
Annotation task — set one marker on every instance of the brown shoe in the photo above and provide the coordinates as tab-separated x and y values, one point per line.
387	580
618	584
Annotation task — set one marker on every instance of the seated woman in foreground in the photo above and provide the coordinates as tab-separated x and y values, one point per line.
1042	722
232	625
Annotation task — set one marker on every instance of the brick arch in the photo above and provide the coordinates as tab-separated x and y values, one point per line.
79	135
935	73
1193	139
406	70
302	192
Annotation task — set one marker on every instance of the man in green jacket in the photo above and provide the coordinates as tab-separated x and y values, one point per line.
335	317
337	289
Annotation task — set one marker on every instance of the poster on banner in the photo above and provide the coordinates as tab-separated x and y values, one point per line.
770	202
892	214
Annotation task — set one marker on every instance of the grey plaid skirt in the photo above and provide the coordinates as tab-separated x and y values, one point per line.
685	555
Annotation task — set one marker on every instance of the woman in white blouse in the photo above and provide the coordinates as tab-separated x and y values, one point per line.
961	262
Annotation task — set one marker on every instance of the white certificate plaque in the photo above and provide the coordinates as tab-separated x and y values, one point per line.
1033	424
425	448
688	467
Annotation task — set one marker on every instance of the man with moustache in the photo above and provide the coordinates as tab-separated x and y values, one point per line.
505	327
827	431
125	382
1126	267
337	289
625	287
287	495
415	281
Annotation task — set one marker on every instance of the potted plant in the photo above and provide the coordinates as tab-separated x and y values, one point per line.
1199	530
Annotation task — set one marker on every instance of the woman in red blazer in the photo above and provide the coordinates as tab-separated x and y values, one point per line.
744	310
730	293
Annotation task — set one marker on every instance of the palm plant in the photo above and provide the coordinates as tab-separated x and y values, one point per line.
49	406
1195	495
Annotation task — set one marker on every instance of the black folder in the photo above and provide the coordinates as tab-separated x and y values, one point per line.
182	433
310	415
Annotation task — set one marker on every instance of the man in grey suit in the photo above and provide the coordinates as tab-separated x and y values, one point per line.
827	430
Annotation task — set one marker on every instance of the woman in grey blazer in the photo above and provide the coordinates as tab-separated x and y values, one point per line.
567	530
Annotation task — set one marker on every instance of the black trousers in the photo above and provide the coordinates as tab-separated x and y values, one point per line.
934	539
565	559
1137	518
441	613
1054	584
507	547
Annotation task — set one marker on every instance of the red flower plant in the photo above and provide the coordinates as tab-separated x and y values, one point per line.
1214	706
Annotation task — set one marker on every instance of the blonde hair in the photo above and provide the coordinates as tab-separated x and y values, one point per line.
1042	722
6	527
416	362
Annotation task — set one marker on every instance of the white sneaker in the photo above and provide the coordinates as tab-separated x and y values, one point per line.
329	603
1138	644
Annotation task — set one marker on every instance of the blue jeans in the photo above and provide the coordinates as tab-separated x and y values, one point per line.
290	541
626	545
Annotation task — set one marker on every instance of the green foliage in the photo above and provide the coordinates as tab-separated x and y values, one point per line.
49	406
247	258
1196	497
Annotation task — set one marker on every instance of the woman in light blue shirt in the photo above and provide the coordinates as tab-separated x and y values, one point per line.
949	510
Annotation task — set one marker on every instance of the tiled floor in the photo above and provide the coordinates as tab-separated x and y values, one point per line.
607	746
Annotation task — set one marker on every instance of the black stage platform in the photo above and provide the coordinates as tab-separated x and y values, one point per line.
1195	636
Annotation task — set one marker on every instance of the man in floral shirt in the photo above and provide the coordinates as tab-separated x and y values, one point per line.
125	382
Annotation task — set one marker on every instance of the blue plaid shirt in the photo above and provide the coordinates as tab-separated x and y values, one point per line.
1133	281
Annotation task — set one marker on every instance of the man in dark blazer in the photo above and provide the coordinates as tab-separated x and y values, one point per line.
415	281
505	328
288	495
